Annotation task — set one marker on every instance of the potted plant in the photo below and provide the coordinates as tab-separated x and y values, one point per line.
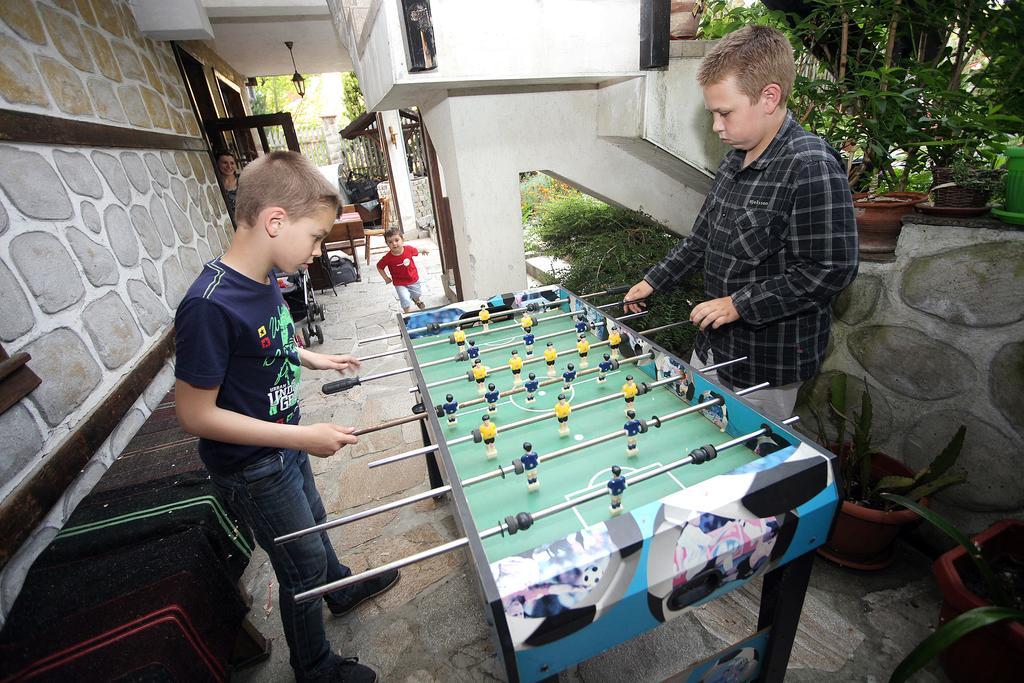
866	526
981	632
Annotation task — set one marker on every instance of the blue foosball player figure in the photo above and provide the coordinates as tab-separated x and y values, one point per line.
616	485
581	324
528	340
471	351
603	368
531	464
491	396
531	384
632	428
450	407
568	376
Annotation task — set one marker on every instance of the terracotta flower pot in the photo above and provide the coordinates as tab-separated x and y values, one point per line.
995	652
862	537
879	219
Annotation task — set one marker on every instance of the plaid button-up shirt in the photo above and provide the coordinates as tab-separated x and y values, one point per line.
779	237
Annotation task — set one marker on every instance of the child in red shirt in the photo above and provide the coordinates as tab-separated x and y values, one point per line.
399	262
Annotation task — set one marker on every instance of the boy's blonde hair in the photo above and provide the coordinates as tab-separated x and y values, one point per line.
756	56
285	179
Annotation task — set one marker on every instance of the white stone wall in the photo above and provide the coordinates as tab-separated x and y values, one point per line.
937	334
97	245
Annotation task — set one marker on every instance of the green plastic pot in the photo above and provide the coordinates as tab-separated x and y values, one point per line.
1015	179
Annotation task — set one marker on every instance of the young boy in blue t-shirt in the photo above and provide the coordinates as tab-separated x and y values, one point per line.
237	385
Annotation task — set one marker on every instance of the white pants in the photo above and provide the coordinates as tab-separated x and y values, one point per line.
407	294
772	402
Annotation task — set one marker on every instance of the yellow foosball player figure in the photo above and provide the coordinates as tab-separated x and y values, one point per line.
550	354
515	364
488	432
459	337
479	374
485	317
526	321
629	392
583	347
562	410
614	339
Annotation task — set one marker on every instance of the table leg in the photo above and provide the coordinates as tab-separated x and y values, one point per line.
782	599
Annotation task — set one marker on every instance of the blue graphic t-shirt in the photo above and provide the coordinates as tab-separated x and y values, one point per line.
237	334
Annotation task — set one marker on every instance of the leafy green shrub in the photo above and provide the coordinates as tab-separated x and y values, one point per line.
604	246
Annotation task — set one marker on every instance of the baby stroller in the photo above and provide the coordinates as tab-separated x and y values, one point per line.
305	307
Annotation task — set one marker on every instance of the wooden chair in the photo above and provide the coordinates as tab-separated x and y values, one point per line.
370	233
346	236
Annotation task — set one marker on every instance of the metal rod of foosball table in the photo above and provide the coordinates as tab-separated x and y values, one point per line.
391	423
555	380
435	327
502	528
467	376
611	291
698	456
635	358
382	354
550	415
514	325
505	470
347	383
509	345
416	497
644	333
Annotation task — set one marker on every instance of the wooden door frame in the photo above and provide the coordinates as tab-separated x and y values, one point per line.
442	219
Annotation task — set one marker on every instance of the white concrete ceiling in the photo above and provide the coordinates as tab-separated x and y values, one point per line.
250	35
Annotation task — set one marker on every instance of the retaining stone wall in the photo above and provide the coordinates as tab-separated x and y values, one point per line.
939	336
97	245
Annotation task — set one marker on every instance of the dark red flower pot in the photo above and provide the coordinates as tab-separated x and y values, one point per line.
862	537
879	220
994	653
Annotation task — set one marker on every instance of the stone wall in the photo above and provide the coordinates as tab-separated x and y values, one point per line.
937	334
421	203
97	245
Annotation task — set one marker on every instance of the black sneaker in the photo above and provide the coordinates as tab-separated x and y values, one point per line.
361	592
349	670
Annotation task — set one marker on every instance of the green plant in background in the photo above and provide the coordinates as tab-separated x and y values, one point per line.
352	96
856	457
1006	604
604	246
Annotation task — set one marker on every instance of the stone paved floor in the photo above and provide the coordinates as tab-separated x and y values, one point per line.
430	627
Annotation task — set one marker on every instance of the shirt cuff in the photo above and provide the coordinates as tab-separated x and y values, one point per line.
741	301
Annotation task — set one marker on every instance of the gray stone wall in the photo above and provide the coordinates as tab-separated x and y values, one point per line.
421	203
88	61
938	334
97	245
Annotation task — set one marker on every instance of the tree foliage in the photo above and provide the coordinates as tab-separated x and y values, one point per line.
606	246
352	94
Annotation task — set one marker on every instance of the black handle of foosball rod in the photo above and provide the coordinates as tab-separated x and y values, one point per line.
621	289
341	385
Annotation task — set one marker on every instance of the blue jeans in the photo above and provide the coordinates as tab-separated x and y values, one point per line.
275	496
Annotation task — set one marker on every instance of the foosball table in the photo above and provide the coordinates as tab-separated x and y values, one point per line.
602	485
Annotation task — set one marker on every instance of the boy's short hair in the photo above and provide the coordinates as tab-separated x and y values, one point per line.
285	179
756	56
391	232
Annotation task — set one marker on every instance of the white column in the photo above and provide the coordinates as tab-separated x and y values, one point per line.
393	138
